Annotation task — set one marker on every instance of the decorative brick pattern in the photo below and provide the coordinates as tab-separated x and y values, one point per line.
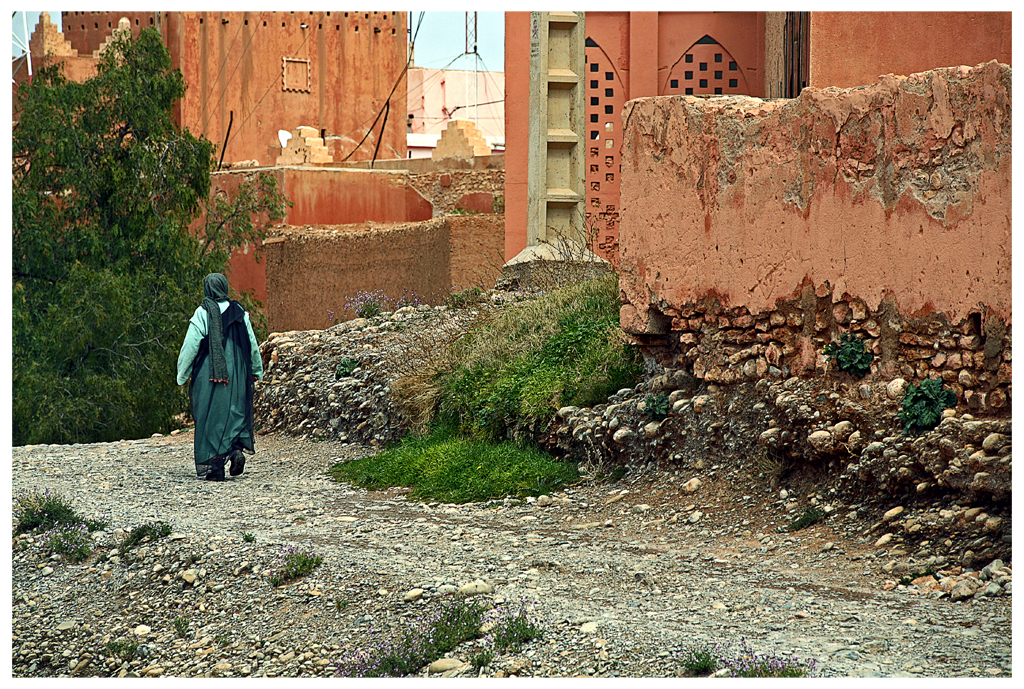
461	139
306	147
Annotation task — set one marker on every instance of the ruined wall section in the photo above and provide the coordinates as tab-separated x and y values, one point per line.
756	232
445	189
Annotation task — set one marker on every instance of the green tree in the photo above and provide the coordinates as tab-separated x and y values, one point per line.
106	270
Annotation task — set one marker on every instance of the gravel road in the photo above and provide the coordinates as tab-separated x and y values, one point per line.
623	576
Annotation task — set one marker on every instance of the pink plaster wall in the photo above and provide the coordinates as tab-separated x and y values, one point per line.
854	48
898	190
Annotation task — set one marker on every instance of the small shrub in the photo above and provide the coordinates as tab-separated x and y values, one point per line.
152	531
700	659
125	649
656	406
703	659
927	572
340	604
248	537
482	659
850	354
43	509
181	626
345	368
923	405
811	515
70	540
295	562
498	205
447	624
512	629
368	304
464	298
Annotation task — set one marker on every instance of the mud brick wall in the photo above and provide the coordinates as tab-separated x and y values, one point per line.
755	232
446	188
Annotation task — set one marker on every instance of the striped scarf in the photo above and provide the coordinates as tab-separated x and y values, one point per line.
215	288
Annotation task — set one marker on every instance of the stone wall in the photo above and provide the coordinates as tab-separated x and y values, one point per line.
311	270
754	232
445	189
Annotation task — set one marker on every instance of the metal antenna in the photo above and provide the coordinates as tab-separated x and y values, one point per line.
471	50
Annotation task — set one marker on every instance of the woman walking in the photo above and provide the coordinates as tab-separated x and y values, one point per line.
221	357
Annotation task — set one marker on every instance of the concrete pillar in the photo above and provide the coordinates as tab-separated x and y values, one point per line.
556	135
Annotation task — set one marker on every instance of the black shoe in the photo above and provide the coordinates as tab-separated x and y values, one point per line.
215	474
237	463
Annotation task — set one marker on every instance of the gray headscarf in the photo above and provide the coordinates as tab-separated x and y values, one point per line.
215	288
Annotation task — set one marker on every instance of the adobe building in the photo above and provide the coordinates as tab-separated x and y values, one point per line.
631	55
253	74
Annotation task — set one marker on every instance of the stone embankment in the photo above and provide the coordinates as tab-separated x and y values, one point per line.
821	435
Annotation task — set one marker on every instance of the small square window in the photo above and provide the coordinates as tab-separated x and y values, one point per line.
593	83
703	83
689	91
674	83
688	75
718	57
718	90
609	93
609	110
609	127
594	67
733	67
689	58
595	101
608	76
733	83
703	66
718	74
593	118
594	135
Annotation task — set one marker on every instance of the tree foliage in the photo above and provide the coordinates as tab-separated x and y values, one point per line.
113	231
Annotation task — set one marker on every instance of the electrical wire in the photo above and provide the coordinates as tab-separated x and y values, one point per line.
259	23
272	82
220	72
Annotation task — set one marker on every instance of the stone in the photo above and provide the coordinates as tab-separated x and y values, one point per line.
475	588
544	500
622	435
993	442
822	441
692	485
652	429
444	665
884	540
142	630
589	627
892	514
695	517
964	589
413	595
896	388
189	576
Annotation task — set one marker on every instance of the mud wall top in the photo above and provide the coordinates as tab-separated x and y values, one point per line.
855	48
899	190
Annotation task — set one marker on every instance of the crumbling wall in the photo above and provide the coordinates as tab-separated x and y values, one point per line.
445	189
754	233
311	270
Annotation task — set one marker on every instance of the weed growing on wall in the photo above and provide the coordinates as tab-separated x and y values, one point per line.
923	405
850	355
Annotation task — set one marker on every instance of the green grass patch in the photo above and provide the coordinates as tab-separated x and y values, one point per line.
811	515
70	540
147	532
447	468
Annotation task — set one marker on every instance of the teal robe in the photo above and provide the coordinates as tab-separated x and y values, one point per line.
223	413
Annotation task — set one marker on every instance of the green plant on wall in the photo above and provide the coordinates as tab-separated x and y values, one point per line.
923	405
850	354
